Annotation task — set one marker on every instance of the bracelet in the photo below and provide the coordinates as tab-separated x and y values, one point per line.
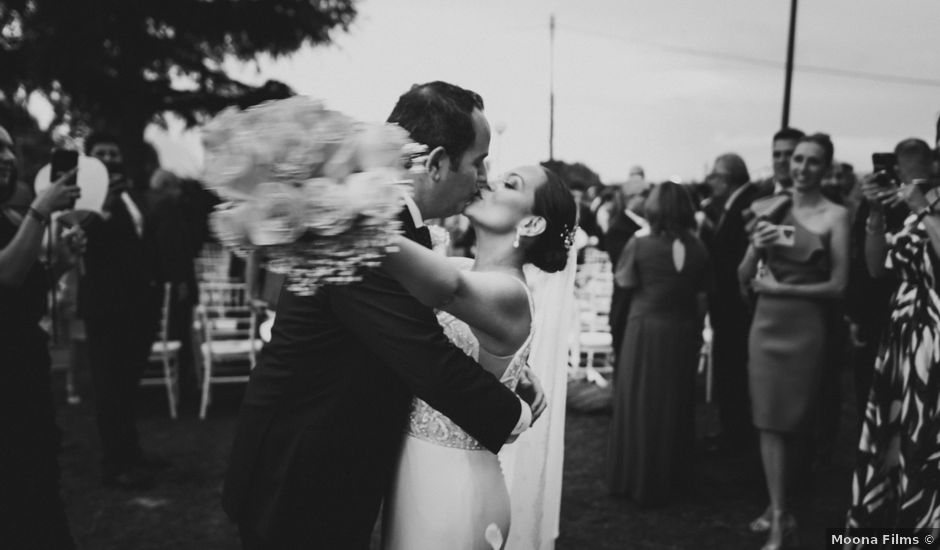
37	215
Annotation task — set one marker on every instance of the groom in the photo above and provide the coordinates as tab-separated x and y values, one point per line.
321	424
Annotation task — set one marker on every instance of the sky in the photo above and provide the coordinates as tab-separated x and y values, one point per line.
668	85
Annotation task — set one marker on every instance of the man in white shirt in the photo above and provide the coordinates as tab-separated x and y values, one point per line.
783	144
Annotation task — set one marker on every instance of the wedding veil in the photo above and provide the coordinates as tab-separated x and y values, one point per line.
533	464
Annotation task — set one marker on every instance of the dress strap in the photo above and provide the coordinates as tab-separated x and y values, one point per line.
528	295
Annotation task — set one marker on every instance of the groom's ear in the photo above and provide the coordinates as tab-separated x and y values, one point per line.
533	226
438	164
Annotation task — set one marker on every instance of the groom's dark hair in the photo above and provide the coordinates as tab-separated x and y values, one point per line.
438	114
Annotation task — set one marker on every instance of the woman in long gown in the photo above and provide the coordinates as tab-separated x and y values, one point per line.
449	491
805	269
897	477
652	429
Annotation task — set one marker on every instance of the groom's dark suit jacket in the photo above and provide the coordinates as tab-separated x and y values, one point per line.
322	422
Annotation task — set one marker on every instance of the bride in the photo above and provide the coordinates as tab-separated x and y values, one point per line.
449	491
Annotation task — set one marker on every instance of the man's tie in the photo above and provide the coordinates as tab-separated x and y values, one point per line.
423	236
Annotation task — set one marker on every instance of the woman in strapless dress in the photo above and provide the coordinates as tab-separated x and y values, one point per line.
797	266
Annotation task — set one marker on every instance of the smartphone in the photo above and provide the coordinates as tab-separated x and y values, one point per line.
885	162
63	161
786	235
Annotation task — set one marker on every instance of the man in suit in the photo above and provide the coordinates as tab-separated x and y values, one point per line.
729	314
118	300
323	417
623	225
782	146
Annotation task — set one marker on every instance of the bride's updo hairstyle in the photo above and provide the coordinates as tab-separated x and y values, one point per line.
554	202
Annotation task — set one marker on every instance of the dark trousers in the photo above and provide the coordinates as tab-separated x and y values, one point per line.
32	514
619	310
732	392
830	388
118	348
863	366
181	330
250	539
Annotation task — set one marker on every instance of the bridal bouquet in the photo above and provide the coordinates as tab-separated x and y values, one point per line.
316	191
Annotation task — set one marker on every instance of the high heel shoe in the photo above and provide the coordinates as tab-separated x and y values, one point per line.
784	535
762	523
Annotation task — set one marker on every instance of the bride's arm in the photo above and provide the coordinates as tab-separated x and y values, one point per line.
492	303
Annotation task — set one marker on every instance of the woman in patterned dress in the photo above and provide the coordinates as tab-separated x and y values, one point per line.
897	477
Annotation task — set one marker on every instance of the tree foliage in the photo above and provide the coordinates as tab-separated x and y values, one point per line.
122	64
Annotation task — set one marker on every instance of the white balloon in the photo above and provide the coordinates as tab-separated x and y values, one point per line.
92	179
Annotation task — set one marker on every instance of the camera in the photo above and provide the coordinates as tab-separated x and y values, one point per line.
885	164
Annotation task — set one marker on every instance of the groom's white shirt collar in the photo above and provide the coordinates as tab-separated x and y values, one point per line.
414	211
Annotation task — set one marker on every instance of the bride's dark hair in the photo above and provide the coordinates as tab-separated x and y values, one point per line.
554	203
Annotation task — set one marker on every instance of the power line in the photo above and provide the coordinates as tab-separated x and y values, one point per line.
761	62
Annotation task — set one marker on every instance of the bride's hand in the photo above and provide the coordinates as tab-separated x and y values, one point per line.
530	390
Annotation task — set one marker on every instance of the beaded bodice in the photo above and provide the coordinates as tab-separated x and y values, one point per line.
431	425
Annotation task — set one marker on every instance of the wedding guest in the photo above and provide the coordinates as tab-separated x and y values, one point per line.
624	223
805	267
869	298
119	302
652	433
729	314
783	144
33	513
895	482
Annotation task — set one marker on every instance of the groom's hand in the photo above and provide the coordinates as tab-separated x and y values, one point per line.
530	390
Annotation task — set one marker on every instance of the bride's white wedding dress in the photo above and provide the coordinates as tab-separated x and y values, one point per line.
449	491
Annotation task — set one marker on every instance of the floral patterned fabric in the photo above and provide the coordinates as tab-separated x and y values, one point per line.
897	477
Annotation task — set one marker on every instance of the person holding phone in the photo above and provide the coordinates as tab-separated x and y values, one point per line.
796	269
895	482
868	297
33	513
119	301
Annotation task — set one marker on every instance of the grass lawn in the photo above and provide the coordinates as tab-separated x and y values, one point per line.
183	511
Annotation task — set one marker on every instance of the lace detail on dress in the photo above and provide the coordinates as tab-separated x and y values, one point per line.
431	425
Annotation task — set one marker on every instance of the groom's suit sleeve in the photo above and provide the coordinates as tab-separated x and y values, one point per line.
407	337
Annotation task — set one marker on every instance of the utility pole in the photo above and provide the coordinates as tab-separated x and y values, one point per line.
789	78
551	92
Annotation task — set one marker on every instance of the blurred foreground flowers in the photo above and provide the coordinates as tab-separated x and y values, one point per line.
316	191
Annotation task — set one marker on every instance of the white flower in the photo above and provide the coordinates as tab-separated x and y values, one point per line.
229	223
276	216
373	193
319	191
327	207
380	146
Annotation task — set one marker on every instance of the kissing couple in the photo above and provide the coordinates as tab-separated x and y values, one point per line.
403	387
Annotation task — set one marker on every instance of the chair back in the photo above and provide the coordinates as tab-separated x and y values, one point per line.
225	312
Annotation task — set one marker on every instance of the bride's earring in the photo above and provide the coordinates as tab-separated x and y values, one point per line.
515	243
